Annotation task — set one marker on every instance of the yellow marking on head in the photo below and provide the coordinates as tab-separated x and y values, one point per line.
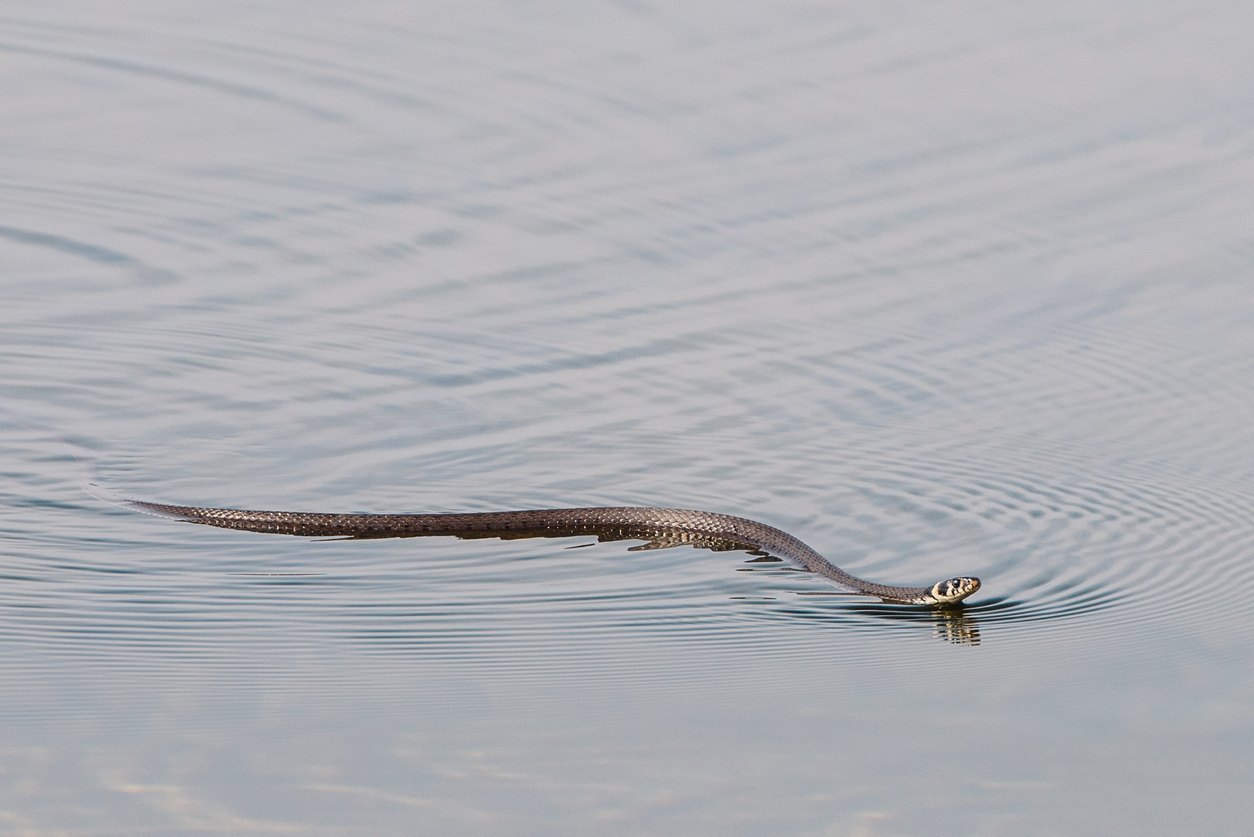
954	590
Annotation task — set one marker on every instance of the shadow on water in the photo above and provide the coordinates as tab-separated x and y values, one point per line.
958	624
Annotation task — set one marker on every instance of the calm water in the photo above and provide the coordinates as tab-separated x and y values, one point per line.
940	289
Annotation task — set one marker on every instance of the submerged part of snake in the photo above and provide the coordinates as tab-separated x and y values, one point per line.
660	528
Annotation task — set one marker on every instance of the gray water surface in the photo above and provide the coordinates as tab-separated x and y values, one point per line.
940	289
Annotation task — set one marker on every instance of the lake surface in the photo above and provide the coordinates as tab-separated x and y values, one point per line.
939	289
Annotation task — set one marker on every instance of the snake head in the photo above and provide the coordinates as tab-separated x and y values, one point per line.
954	590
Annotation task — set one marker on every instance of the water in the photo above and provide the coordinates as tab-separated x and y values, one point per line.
940	290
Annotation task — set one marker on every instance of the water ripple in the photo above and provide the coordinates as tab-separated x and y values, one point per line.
637	299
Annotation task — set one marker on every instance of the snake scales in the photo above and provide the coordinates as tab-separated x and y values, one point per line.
659	528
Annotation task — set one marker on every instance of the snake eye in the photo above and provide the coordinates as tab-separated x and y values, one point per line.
955	589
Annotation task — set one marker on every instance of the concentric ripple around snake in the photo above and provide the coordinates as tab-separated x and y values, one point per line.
661	528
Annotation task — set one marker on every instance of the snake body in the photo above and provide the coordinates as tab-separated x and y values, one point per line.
659	527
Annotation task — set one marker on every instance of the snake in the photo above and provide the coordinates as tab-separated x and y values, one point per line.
659	528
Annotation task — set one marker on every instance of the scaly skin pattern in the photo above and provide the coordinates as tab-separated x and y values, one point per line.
659	527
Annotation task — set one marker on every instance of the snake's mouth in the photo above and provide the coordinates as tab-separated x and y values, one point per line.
954	590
